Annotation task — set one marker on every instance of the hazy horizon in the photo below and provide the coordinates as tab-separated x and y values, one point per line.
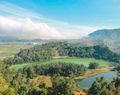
56	19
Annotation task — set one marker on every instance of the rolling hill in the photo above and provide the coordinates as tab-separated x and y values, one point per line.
104	37
109	37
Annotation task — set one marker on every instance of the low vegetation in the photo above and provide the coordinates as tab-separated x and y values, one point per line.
10	49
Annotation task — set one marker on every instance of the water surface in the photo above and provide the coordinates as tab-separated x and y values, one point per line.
87	82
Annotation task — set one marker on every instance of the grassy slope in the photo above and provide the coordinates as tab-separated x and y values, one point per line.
9	49
84	61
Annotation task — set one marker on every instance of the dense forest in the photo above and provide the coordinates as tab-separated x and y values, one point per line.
62	69
37	53
98	52
15	83
49	50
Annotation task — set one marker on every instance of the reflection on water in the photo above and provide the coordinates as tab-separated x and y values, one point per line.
86	83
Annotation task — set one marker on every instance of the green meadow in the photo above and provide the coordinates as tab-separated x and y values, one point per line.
84	61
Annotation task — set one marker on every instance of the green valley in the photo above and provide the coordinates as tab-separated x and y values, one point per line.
84	61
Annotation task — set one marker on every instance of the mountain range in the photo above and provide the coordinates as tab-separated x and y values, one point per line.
109	37
106	35
14	39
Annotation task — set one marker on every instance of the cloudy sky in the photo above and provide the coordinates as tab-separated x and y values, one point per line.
57	19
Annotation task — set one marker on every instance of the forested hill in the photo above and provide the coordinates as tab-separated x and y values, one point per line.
110	37
48	51
113	34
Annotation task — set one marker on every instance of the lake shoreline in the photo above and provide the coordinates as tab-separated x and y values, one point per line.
93	72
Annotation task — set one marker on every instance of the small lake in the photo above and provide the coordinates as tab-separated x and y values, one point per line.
87	82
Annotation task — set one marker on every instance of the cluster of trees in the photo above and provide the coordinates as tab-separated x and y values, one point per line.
102	87
31	55
37	53
63	69
98	52
8	85
63	86
60	86
93	65
47	51
15	83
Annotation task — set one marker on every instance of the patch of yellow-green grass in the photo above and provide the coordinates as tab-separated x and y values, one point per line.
84	61
9	49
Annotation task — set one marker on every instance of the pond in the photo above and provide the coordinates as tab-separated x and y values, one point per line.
87	82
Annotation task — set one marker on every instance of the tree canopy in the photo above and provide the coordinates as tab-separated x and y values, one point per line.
49	50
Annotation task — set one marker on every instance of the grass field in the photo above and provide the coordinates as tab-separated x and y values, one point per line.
9	49
84	61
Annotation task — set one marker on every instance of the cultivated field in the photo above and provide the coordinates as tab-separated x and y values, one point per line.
9	49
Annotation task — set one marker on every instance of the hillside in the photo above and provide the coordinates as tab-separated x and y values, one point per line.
110	37
106	34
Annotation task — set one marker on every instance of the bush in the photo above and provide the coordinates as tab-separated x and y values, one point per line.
93	65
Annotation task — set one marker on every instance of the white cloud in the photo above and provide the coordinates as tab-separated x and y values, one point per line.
27	29
77	31
19	22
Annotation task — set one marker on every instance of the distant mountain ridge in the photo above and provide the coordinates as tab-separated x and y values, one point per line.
13	39
8	39
105	34
110	37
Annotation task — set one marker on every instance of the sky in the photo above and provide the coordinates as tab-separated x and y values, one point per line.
57	19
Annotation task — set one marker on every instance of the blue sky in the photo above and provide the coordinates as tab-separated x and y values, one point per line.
61	18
